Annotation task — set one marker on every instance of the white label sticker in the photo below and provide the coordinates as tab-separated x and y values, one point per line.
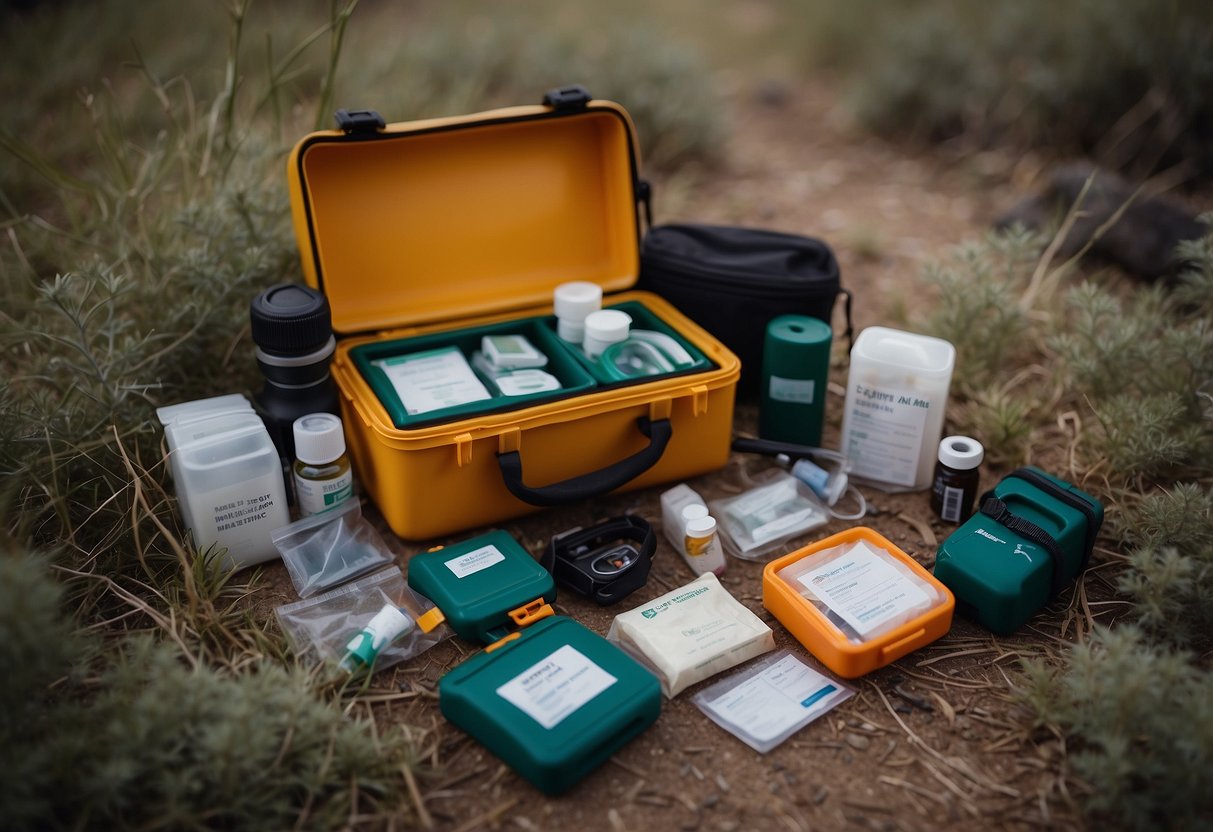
864	589
776	700
794	390
552	689
475	560
884	433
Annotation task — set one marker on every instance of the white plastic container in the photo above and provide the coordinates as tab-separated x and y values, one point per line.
897	391
228	478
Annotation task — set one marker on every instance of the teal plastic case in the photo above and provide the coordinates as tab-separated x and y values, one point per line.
1002	577
553	702
484	585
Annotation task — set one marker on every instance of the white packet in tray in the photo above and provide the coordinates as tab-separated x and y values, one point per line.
771	700
692	633
861	589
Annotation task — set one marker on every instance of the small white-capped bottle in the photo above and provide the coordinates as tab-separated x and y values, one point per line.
701	546
323	478
573	301
603	328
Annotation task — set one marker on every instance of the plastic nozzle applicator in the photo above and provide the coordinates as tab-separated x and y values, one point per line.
828	485
389	624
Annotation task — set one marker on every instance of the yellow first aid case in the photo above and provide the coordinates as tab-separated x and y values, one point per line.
427	235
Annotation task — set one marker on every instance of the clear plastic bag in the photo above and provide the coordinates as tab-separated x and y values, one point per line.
757	522
327	549
861	589
771	699
328	626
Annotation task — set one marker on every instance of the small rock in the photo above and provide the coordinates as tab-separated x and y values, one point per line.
857	741
819	796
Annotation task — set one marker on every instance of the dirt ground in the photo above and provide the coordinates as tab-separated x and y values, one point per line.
932	741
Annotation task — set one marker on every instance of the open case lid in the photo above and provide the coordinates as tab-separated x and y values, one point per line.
435	220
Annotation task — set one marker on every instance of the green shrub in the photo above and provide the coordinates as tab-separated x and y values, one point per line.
1140	722
1171	577
142	740
1127	81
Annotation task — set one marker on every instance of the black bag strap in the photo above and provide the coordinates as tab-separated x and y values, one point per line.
1071	499
847	309
1000	513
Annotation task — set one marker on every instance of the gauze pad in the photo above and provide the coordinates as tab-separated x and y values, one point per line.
692	633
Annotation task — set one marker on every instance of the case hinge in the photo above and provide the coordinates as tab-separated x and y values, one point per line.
356	122
572	97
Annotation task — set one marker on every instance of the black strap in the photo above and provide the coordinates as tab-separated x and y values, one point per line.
850	326
1039	480
998	511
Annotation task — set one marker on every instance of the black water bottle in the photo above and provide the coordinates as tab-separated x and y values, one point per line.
293	330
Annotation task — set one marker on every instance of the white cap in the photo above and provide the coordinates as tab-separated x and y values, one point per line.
961	452
577	299
835	485
603	328
318	438
693	512
701	526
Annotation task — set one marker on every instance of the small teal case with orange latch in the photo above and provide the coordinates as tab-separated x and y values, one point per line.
553	701
484	586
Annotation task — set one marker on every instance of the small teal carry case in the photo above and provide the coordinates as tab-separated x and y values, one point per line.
553	701
484	586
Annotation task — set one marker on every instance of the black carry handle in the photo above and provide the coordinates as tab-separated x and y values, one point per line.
595	483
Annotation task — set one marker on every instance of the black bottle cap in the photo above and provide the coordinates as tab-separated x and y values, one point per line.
290	319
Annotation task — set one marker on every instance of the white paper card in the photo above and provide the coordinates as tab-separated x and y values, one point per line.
552	689
432	380
793	390
775	701
475	560
864	589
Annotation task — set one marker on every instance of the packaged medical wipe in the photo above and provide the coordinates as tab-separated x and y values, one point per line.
770	700
692	633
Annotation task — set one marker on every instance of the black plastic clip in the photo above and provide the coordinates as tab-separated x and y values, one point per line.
572	97
359	121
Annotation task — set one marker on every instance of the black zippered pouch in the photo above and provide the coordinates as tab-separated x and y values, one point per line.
732	281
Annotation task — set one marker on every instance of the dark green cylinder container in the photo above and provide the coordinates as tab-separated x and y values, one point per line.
795	371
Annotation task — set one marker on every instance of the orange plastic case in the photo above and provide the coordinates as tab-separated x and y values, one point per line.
811	628
428	226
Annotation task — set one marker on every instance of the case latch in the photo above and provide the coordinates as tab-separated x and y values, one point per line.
528	614
572	97
359	121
